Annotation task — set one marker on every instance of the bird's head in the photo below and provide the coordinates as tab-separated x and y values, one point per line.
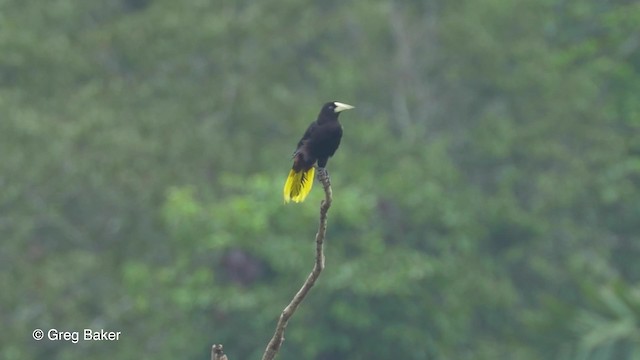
332	109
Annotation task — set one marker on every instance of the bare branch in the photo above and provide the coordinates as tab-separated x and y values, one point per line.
278	337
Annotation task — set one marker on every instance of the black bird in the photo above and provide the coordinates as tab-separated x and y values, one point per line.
318	144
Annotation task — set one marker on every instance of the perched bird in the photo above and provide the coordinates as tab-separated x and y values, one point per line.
319	142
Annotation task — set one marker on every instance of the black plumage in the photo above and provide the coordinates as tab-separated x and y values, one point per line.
318	144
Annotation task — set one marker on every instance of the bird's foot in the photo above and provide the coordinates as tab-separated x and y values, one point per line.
322	174
323	178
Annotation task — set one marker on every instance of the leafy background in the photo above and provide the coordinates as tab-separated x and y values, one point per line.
486	192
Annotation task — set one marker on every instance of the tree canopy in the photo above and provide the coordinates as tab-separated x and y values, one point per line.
486	192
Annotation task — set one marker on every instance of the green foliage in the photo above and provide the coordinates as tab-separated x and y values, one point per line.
485	194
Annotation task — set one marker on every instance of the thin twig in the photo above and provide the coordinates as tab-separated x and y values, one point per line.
278	337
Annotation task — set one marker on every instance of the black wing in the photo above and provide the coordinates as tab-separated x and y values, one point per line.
302	156
306	136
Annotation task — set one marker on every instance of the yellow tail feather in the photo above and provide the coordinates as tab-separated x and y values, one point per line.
298	185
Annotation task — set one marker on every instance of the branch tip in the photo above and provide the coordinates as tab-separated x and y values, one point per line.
217	353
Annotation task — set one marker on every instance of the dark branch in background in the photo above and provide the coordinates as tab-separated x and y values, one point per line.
278	336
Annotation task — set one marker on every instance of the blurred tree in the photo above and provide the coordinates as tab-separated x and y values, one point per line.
486	192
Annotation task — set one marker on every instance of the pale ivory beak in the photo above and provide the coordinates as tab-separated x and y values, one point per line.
342	107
